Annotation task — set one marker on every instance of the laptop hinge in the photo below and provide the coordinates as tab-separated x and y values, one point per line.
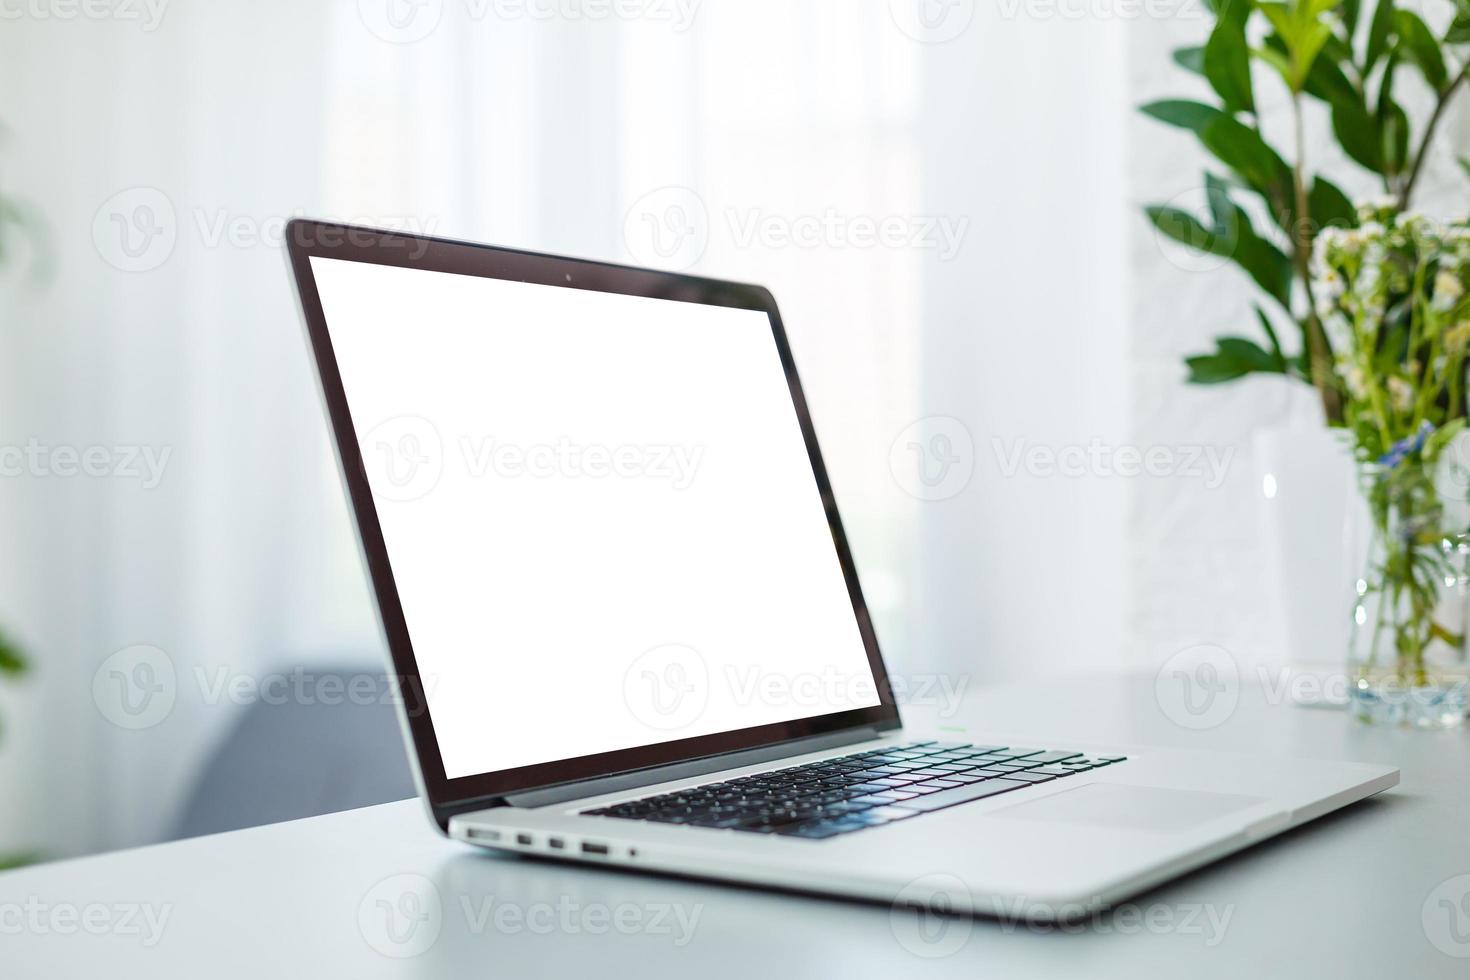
549	795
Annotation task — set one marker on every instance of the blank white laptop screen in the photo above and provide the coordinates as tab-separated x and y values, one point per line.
599	511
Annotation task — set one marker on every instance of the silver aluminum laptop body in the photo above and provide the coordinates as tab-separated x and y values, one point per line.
413	336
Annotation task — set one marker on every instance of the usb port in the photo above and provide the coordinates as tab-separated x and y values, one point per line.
481	833
556	843
590	848
523	839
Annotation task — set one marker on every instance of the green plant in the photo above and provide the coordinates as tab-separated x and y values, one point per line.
1329	53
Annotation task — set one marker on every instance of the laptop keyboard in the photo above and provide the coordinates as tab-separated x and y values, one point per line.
854	792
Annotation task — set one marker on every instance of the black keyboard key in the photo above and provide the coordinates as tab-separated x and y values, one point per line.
1031	777
1015	753
1049	757
961	794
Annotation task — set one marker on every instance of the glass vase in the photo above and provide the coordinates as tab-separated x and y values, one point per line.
1411	609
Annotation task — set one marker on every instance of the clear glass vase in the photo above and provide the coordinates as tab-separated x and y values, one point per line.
1411	610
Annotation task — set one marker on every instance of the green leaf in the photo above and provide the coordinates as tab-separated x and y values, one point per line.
1235	357
1182	113
1420	47
1267	265
1235	11
1276	351
1227	65
1190	59
1393	125
1465	165
1242	149
1329	206
1378	34
11	661
1350	10
1357	132
1325	79
1250	353
1230	236
1273	53
1459	29
1187	230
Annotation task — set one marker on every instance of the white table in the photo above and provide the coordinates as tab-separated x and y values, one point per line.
1350	896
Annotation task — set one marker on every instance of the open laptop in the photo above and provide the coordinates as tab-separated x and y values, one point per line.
627	626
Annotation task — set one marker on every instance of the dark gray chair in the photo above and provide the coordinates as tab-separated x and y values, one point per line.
290	760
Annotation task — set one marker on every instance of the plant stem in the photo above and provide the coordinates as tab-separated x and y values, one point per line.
1319	353
1429	128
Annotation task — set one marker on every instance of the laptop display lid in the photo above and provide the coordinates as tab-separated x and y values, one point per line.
592	509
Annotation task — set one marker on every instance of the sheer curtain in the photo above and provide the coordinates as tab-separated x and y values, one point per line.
227	119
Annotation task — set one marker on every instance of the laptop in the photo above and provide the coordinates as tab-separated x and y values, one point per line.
627	627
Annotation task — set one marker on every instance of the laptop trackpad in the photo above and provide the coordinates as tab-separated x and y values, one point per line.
1135	807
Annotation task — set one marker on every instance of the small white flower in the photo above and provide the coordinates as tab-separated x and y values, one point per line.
1447	291
1352	376
1400	393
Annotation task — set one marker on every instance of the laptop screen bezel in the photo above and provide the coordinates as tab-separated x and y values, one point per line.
307	239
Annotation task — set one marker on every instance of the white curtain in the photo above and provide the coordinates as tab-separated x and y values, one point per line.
785	131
